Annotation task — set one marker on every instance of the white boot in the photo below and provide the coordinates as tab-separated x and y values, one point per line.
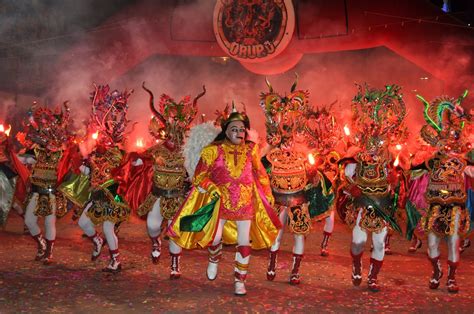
242	257
239	288
215	253
211	271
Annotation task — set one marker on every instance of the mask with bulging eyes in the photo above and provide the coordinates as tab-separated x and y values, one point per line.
235	132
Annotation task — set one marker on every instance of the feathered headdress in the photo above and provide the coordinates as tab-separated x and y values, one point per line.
378	117
445	120
109	114
285	115
46	127
172	119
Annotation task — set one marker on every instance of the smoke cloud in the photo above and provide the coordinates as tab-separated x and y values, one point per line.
328	76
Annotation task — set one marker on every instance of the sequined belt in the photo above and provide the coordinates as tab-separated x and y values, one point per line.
42	190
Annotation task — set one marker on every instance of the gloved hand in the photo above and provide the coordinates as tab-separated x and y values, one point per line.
137	162
85	170
27	159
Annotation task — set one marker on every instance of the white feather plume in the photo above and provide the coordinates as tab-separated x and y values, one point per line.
200	136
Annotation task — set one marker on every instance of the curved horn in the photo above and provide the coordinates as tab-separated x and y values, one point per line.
293	87
461	98
269	85
199	95
152	106
425	112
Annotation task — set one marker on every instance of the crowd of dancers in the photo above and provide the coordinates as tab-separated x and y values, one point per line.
210	183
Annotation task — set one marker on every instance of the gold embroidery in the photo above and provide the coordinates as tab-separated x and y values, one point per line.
300	223
147	205
446	185
103	164
106	208
169	206
369	220
245	195
226	196
441	220
44	173
209	155
371	174
288	174
61	205
45	205
235	157
169	171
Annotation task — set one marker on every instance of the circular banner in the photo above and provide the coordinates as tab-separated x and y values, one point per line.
253	30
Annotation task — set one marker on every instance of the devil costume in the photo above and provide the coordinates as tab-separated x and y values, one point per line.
105	205
446	191
51	157
158	183
369	198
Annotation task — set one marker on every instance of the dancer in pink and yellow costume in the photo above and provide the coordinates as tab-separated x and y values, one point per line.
229	185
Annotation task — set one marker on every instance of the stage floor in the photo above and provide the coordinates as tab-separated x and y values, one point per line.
75	284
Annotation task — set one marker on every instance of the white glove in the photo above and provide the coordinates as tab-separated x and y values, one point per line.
27	159
85	170
137	162
469	171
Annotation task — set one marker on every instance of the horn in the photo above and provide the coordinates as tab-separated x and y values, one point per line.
425	112
269	85
199	95
461	98
152	106
293	87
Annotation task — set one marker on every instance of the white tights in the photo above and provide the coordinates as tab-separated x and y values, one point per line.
359	238
108	228
243	232
329	223
31	220
298	247
453	243
153	223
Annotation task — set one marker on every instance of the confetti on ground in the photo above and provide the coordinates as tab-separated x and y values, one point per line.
75	284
